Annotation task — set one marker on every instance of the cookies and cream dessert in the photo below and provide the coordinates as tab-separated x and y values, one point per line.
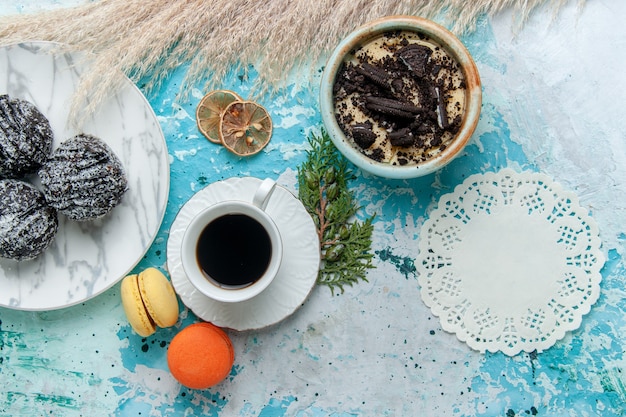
400	98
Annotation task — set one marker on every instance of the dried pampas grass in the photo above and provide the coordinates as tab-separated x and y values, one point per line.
147	40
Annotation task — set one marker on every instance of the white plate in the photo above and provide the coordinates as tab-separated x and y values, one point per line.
86	259
297	273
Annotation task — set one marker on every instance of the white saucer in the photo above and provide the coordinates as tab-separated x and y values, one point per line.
296	276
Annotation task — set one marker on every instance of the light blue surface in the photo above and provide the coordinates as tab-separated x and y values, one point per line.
375	350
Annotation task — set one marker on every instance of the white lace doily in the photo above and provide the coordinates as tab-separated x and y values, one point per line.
509	262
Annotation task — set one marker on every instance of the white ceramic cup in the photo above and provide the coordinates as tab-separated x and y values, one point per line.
255	210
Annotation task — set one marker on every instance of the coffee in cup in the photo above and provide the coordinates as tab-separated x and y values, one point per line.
231	251
234	250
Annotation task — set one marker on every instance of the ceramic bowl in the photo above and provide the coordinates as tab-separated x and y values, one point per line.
454	48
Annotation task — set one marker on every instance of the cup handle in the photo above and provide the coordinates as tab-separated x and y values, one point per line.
263	193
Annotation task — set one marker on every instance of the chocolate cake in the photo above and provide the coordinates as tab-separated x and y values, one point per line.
27	223
25	137
83	179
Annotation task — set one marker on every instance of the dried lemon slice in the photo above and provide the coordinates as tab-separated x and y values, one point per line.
245	127
209	112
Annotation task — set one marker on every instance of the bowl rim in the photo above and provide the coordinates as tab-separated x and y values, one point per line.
445	39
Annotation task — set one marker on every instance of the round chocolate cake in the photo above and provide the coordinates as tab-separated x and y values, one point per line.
27	223
25	137
83	179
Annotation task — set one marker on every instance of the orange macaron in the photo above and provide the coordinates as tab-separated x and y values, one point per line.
200	356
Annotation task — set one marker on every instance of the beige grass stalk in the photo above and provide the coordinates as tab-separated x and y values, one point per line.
147	40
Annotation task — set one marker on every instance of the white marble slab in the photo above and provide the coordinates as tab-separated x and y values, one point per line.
86	258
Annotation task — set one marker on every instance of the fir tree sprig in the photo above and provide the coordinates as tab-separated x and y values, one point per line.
323	189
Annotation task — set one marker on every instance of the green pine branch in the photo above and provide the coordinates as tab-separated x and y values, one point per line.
323	189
